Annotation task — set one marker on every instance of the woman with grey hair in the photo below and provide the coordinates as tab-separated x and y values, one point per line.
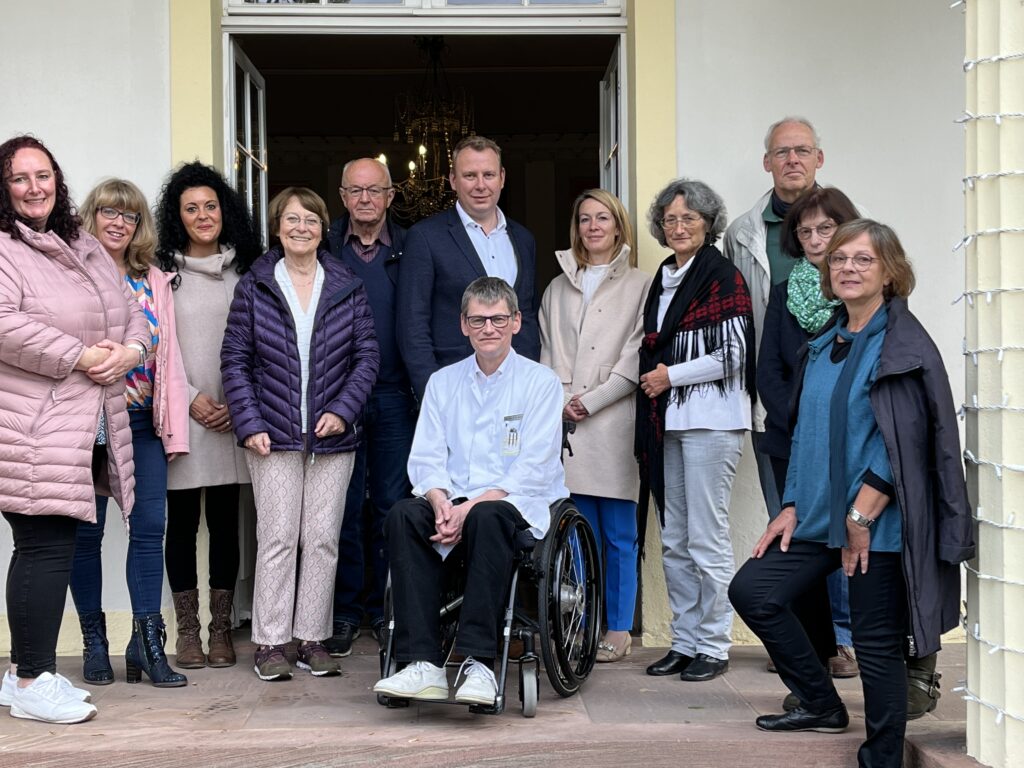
693	406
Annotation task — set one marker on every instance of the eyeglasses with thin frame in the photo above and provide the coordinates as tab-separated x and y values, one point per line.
861	261
476	322
293	220
376	193
803	152
824	230
689	220
131	219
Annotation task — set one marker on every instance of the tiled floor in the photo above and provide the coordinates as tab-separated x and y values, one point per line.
622	717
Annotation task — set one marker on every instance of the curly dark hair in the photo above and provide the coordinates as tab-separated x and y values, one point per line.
63	221
237	226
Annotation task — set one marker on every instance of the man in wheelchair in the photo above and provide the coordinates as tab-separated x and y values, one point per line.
485	463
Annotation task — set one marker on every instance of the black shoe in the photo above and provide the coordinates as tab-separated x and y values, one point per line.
145	653
96	668
672	663
703	668
340	645
833	721
377	628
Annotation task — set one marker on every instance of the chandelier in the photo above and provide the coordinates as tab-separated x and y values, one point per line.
433	119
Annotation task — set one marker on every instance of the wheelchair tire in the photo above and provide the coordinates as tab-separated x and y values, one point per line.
529	677
569	599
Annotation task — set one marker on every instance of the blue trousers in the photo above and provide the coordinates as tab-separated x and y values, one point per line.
614	523
389	421
144	568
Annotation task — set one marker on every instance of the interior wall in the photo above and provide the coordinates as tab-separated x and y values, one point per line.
883	83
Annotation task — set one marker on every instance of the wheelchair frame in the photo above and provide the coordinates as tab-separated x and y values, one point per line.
565	567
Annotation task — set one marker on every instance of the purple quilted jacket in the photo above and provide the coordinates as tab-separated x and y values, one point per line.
260	361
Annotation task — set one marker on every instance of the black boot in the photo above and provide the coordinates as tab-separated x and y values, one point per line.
96	666
145	653
922	685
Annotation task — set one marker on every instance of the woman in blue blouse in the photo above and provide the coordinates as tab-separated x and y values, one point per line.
889	506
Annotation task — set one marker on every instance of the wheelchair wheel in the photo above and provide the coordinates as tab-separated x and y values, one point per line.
388	666
529	675
569	600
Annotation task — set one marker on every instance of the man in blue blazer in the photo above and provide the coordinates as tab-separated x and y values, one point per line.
448	251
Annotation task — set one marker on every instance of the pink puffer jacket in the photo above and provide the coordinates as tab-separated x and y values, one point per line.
56	299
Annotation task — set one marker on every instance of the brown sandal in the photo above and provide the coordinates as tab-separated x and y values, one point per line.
606	652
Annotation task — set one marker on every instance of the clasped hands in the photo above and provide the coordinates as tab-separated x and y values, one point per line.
448	517
107	361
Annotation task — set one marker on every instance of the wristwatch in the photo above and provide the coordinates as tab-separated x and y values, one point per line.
142	352
858	519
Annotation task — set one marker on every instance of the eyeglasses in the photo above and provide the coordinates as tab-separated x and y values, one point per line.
782	153
476	322
131	219
375	193
824	231
861	261
311	222
669	223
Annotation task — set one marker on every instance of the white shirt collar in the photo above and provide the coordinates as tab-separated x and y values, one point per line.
503	369
468	222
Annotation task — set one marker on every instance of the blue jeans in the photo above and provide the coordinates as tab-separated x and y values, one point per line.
144	568
389	421
839	597
614	524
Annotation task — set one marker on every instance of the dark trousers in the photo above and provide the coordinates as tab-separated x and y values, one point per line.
37	585
183	525
144	567
814	607
763	593
487	547
389	421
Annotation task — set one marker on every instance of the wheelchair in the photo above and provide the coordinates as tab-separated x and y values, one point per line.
555	596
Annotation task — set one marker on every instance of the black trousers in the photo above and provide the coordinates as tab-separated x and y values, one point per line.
37	585
183	527
487	547
813	608
763	593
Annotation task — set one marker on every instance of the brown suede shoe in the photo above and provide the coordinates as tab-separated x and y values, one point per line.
222	652
844	663
188	648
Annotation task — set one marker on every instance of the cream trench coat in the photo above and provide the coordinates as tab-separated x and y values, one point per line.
596	354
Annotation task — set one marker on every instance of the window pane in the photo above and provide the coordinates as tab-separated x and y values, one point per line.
254	121
240	110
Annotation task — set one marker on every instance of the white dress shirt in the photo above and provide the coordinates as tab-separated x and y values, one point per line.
303	324
500	432
494	249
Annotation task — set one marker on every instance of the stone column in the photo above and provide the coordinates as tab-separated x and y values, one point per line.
994	255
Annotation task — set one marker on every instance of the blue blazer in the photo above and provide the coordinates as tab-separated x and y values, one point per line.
438	263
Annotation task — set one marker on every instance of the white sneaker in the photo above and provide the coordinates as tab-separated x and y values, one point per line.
480	685
47	699
10	685
420	680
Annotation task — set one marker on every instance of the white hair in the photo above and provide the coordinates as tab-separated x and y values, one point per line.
791	119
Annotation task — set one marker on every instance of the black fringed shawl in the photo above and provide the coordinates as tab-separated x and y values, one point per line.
712	293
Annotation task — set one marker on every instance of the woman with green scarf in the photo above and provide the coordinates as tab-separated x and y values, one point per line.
797	310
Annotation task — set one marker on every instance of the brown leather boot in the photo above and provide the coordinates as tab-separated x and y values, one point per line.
222	652
188	648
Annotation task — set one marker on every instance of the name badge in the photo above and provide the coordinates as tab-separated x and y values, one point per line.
511	440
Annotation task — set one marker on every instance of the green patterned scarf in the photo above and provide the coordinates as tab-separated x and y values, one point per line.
806	303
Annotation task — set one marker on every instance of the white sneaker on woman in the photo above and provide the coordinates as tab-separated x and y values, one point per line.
49	700
10	685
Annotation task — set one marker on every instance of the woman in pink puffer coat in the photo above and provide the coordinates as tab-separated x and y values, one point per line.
69	331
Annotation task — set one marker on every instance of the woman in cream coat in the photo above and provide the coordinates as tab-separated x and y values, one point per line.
590	326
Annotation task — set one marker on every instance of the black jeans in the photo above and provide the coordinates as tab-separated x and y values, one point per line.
488	537
182	527
37	585
763	593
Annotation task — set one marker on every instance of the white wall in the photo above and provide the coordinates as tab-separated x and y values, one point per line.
883	83
91	80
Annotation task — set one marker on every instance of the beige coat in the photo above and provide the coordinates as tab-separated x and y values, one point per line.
598	359
201	303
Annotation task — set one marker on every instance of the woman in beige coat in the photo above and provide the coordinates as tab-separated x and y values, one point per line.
590	328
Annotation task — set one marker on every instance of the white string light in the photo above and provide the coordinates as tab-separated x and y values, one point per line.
988	293
1001	713
975	633
968	239
970	64
967	116
996	466
1007	526
990	577
958	2
969	181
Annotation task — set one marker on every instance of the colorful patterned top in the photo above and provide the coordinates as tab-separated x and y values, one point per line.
139	380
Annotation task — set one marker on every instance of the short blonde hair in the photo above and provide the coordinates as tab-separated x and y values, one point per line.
611	202
121	194
307	198
887	248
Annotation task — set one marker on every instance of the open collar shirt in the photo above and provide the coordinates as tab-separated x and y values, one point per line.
495	248
504	431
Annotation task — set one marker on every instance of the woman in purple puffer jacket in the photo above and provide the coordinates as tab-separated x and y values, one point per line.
298	361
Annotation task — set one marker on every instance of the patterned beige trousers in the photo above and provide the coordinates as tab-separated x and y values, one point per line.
300	500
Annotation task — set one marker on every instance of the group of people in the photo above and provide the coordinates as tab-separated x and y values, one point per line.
355	350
